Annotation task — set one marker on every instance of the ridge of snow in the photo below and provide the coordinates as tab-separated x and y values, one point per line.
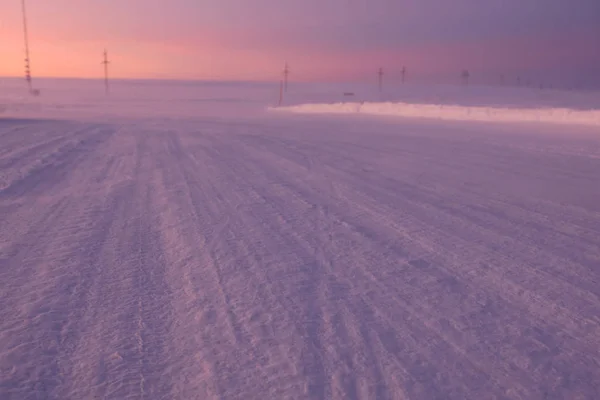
452	112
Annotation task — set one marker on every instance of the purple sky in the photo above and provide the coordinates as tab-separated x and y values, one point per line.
322	39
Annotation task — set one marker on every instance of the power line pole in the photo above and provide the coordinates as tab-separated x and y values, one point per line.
286	72
105	62
465	77
403	74
281	92
27	60
380	76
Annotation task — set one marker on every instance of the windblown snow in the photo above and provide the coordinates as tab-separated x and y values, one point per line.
455	103
185	244
454	112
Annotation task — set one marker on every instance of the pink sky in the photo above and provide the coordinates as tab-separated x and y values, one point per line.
322	39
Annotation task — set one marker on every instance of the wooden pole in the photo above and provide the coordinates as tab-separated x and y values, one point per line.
27	60
286	72
280	92
106	62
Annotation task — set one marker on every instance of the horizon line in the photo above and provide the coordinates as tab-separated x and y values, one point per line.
593	88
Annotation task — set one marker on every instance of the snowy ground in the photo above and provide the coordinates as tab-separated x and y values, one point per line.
253	255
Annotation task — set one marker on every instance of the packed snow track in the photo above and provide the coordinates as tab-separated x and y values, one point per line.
298	258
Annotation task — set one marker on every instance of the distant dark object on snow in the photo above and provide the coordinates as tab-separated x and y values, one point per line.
348	93
465	77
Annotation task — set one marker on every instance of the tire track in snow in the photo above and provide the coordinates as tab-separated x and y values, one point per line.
56	299
148	294
186	226
74	280
310	318
52	168
320	214
306	193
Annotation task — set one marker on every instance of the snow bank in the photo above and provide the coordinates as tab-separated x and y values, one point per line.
453	112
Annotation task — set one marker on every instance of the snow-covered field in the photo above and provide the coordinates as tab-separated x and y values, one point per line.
180	242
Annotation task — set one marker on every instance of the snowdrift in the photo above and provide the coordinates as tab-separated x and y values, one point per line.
453	112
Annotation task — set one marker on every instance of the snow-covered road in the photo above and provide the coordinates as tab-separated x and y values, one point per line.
298	258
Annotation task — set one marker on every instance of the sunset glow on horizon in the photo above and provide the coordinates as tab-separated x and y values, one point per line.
321	39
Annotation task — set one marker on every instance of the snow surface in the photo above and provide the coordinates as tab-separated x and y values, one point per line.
460	113
176	241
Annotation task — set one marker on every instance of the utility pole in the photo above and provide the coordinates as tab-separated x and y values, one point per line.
27	61
281	92
403	74
105	62
286	72
465	77
380	76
